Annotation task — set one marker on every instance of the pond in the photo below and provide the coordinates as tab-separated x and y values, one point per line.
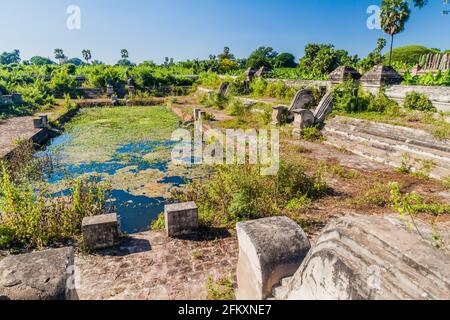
130	148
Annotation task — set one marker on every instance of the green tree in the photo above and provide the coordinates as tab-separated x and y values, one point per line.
124	54
87	55
226	54
285	60
59	55
394	15
374	58
40	61
261	57
321	59
10	57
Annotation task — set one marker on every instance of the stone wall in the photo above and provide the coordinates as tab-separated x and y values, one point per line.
440	96
303	83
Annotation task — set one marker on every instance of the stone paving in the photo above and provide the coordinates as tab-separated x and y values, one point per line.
14	129
150	266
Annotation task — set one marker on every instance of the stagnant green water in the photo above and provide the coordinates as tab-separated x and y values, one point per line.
130	148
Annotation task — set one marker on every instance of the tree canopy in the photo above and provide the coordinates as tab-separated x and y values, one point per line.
10	57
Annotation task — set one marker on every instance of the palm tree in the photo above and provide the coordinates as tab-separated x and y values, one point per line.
124	54
394	15
59	55
87	55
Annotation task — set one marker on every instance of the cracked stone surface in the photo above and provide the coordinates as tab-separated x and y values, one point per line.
150	266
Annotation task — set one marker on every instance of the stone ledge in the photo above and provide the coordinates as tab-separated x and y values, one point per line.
362	257
270	249
37	276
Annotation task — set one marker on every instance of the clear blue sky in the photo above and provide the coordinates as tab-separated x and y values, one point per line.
186	29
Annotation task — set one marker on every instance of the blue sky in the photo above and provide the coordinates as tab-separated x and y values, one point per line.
186	29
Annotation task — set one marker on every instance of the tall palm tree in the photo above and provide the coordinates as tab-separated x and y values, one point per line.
87	55
394	15
124	53
59	55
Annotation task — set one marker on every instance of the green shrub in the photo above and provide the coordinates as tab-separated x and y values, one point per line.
239	192
381	103
237	108
159	223
258	87
33	217
210	80
417	101
222	289
312	134
345	98
214	100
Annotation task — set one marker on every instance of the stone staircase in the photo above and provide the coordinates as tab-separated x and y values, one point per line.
388	144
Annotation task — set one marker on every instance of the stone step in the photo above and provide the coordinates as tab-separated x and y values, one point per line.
413	137
439	157
379	152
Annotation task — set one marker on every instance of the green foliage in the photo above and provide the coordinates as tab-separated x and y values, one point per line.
393	16
321	59
378	195
417	101
408	54
222	289
40	61
284	60
345	97
429	79
411	204
312	134
236	108
261	57
271	89
32	216
10	57
214	100
374	58
239	192
209	80
159	223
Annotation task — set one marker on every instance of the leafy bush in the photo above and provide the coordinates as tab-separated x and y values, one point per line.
440	79
159	223
272	89
34	217
417	101
312	134
345	98
238	109
210	80
214	100
240	192
322	59
381	103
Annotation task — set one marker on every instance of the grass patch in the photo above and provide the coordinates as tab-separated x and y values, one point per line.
221	289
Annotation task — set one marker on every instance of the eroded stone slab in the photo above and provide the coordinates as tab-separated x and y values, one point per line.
371	258
37	276
270	249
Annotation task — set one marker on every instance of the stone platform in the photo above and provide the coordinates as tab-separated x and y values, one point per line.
151	266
